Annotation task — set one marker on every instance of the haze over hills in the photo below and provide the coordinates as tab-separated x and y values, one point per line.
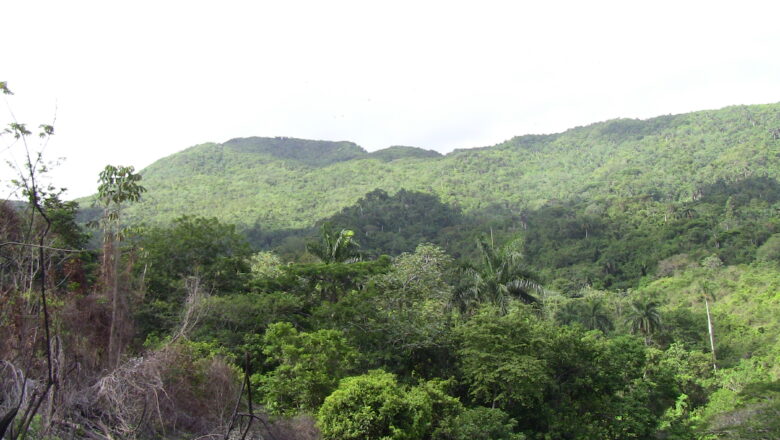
291	183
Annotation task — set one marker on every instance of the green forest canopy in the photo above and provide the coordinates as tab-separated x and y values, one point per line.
280	183
617	281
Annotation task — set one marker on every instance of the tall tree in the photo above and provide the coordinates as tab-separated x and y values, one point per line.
29	183
118	185
707	293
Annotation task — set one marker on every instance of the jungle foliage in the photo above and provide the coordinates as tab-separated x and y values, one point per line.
616	281
281	183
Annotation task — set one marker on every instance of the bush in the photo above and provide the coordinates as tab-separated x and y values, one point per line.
375	406
479	423
170	390
308	367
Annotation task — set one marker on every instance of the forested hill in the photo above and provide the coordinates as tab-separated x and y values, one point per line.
615	281
281	183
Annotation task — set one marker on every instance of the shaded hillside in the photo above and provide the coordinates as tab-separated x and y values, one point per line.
571	244
613	244
291	183
400	152
383	224
396	224
306	152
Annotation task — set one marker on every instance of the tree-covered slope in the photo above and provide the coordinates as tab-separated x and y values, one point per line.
400	152
283	182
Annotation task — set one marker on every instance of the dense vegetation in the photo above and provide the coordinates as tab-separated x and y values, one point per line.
617	281
278	183
614	243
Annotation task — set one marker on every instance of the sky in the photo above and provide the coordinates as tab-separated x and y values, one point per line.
127	83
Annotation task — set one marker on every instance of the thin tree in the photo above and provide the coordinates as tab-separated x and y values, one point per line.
118	185
29	183
707	294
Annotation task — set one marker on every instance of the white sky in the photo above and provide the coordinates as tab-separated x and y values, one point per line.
131	82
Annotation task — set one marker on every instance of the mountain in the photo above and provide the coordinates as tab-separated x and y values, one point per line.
620	280
291	183
315	154
400	152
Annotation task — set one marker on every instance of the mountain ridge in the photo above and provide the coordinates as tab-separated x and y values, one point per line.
289	182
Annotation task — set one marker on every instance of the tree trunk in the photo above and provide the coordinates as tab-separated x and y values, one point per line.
112	281
709	329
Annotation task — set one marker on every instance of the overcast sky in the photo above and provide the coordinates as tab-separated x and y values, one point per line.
131	82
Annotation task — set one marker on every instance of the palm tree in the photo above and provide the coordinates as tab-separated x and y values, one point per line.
588	312
594	316
644	318
335	247
569	313
463	296
500	278
688	212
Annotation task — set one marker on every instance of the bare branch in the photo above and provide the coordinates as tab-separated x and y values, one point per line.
33	245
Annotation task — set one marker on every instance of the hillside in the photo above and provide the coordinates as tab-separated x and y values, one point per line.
281	183
615	281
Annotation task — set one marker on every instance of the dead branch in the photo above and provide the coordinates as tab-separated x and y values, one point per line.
192	307
39	246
